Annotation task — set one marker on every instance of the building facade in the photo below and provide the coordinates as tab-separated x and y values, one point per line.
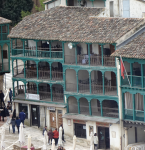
63	72
4	49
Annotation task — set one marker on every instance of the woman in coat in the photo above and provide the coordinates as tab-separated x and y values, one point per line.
3	114
50	134
55	136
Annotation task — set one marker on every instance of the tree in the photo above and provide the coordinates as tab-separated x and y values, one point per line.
25	13
11	9
41	7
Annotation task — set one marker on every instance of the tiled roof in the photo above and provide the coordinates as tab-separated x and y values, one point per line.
134	49
76	24
3	20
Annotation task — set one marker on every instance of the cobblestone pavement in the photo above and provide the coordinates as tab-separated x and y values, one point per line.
36	138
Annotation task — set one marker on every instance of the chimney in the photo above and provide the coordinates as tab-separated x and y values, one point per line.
63	3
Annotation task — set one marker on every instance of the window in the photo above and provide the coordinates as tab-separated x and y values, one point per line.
5	54
25	108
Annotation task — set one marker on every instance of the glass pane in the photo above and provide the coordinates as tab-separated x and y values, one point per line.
129	114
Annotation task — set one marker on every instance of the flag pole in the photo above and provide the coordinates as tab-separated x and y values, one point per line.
125	71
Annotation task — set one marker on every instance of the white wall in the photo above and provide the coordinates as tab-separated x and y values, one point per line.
108	75
131	135
83	75
71	76
114	136
53	4
136	8
31	43
140	134
95	48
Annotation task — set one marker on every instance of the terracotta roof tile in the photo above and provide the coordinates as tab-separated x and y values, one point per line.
74	24
3	20
134	49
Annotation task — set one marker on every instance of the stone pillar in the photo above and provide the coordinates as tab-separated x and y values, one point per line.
29	114
63	3
126	137
1	82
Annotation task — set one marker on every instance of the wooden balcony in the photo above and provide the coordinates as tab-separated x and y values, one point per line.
3	36
95	60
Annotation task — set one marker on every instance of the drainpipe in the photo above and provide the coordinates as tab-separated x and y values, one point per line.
63	3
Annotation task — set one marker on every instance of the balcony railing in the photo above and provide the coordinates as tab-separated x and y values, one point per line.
95	60
71	87
110	112
110	90
57	75
31	52
43	74
84	88
97	89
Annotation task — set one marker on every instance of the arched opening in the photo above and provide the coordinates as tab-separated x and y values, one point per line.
136	74
71	81
73	105
128	106
57	93
44	92
31	88
31	69
57	71
17	47
96	82
56	49
19	88
44	70
4	32
84	106
110	83
83	80
139	107
95	106
110	109
18	68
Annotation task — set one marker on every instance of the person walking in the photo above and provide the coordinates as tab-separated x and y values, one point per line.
55	136
95	141
50	136
13	124
62	133
18	121
3	112
44	129
10	95
22	117
2	96
7	114
14	113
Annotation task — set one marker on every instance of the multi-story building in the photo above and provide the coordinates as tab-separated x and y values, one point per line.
67	72
113	8
132	87
4	49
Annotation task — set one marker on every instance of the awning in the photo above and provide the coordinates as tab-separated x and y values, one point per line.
129	123
90	118
40	104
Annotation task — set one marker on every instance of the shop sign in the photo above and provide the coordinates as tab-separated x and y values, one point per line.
79	121
32	96
51	108
102	124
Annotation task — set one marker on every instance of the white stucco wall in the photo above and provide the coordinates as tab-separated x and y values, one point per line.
136	8
114	136
140	134
71	76
31	43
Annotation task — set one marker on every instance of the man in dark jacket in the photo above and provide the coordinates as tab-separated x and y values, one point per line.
10	95
2	96
50	135
18	121
13	124
22	116
3	114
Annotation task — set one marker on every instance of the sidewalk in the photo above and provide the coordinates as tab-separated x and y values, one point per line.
36	138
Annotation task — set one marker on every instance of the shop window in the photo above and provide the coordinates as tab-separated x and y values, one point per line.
5	54
25	108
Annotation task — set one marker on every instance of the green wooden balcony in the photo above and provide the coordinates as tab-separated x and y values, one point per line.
4	67
3	36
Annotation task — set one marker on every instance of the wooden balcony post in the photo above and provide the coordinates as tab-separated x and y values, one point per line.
51	92
76	60
133	102
37	88
9	55
102	47
50	70
37	70
1	33
90	82
24	70
50	48
101	106
77	82
63	52
103	78
2	57
23	47
17	66
78	107
11	48
64	79
12	68
131	69
142	75
90	110
36	49
89	52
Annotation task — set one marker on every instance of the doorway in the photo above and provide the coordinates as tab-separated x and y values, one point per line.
104	138
35	115
80	130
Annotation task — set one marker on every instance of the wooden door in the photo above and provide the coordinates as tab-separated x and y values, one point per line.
113	79
53	119
60	121
101	136
112	48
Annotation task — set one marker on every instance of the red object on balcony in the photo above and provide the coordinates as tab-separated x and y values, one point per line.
122	69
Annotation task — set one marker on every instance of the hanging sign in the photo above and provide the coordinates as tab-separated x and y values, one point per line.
32	96
51	108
